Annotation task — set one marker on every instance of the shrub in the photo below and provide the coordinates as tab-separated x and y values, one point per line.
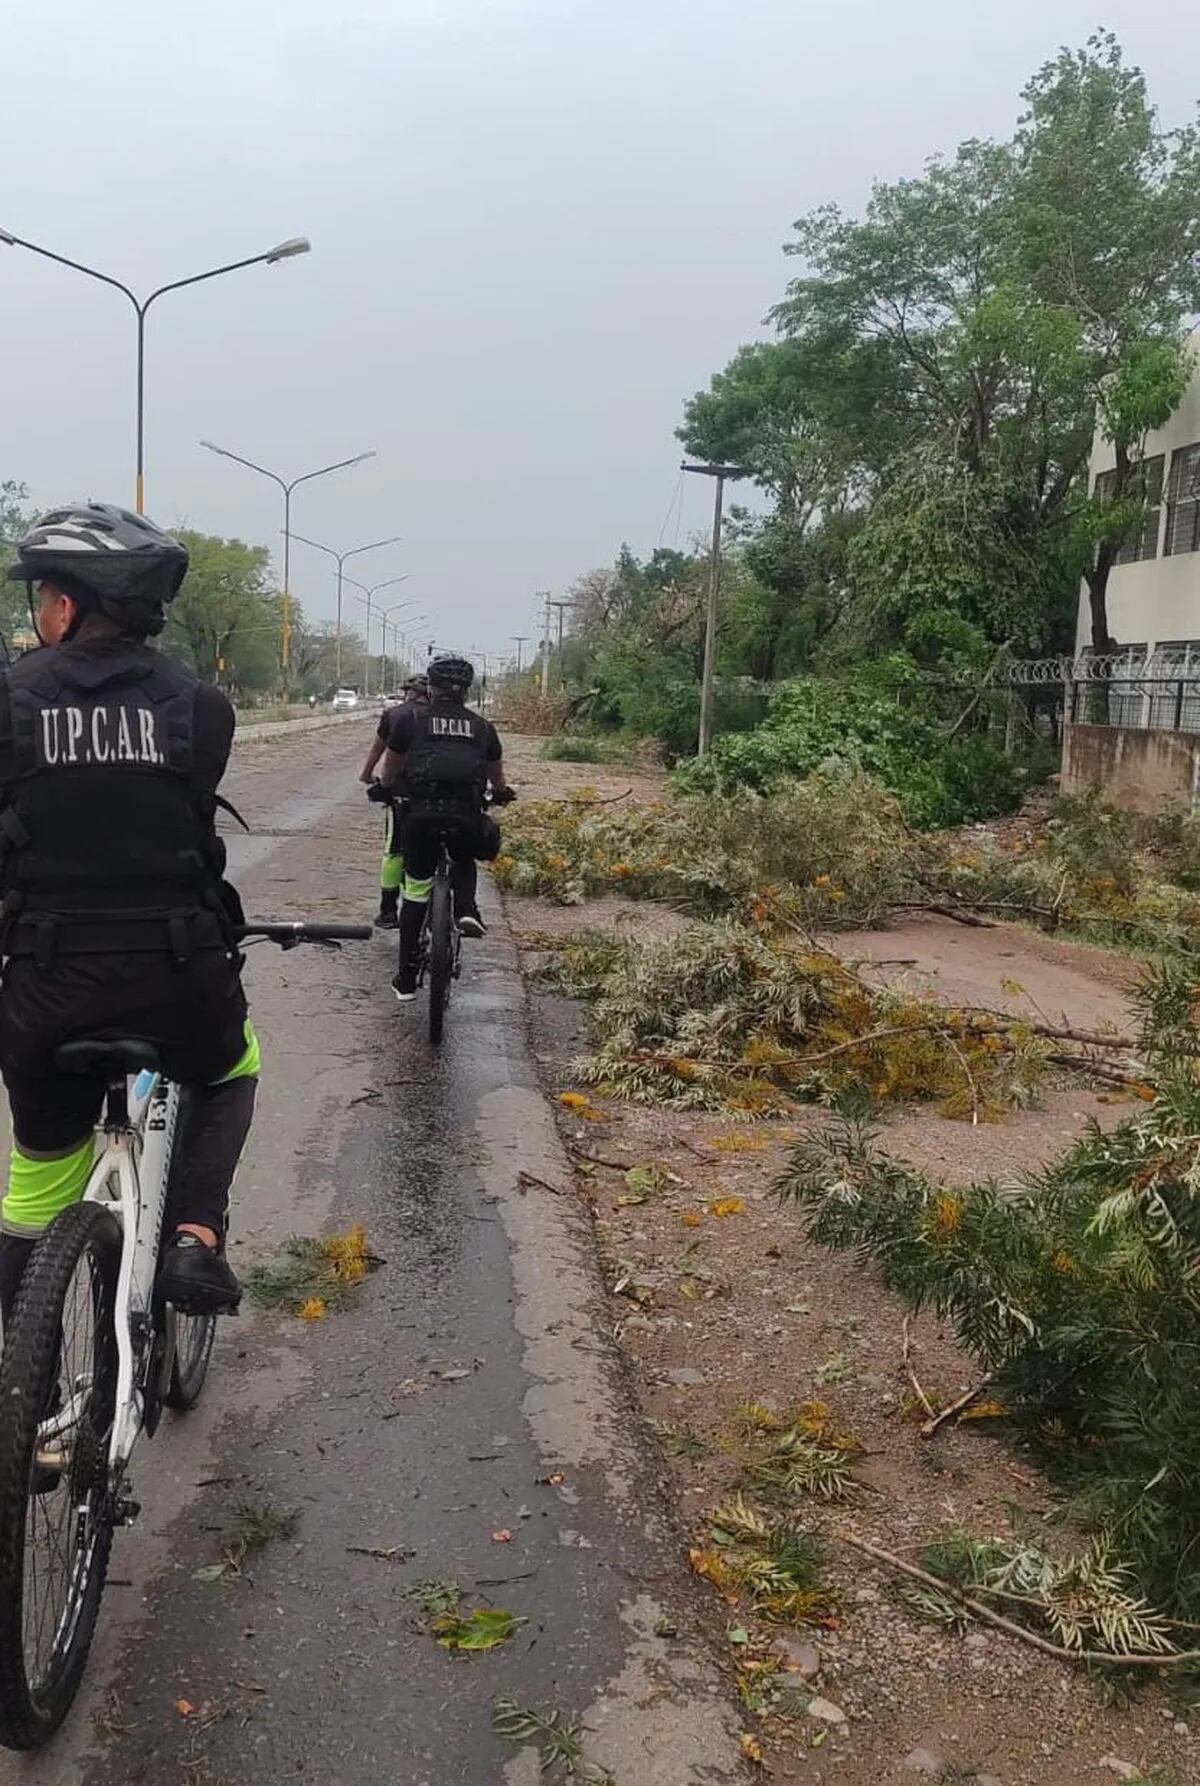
877	724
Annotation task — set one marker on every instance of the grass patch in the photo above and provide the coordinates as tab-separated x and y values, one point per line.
579	750
309	1277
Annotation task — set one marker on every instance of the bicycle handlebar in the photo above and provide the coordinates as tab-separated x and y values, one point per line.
299	930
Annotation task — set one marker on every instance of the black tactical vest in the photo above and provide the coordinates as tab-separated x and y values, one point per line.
447	757
107	841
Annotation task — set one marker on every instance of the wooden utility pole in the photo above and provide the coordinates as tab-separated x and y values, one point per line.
721	473
546	649
518	640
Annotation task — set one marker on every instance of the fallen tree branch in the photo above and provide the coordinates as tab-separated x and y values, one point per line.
959	914
985	687
985	1614
532	1178
598	1159
911	1373
956	1407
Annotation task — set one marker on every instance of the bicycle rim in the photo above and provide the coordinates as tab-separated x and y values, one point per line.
441	955
57	1396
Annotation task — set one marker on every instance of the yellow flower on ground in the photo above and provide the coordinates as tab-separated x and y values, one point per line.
313	1310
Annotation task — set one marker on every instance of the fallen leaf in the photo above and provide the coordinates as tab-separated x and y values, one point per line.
752	1749
692	1218
725	1206
739	1635
184	1707
554	1480
314	1309
210	1572
481	1630
503	1536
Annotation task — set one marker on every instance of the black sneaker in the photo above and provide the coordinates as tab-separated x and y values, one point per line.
405	985
470	923
388	918
197	1280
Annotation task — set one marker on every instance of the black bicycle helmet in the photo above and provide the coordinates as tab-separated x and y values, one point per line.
417	686
108	560
451	675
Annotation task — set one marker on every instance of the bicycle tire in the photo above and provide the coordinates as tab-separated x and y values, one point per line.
32	1708
194	1337
441	956
193	1334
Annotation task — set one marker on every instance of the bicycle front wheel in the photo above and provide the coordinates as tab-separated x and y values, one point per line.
194	1336
441	955
58	1383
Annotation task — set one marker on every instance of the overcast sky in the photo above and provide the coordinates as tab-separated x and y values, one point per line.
537	227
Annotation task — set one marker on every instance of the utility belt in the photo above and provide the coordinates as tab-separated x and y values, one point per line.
46	936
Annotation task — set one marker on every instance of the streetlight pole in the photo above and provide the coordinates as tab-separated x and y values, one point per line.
339	559
282	251
372	592
518	640
720	473
388	624
304	478
367	596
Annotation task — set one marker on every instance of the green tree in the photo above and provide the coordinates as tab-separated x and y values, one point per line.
1106	216
227	612
15	517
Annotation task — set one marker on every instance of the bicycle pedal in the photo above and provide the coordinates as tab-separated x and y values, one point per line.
125	1511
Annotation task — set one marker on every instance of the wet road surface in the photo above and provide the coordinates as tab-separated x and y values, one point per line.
472	1370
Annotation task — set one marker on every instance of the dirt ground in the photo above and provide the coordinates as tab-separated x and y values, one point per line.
717	1311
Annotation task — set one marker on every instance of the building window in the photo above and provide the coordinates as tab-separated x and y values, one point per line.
1183	501
1148	484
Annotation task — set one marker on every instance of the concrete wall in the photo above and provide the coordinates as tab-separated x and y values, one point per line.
1160	597
1133	767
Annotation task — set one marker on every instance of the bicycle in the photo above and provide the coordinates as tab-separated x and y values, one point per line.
439	950
92	1357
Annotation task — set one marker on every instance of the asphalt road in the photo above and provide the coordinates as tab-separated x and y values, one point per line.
470	1390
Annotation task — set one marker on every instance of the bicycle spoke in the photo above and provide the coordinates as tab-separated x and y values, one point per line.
60	1514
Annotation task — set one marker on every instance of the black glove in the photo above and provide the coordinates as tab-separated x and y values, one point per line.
503	796
377	793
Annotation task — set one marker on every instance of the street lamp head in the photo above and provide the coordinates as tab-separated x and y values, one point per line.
10	241
287	250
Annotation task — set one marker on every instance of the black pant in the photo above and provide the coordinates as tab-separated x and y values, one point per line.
195	1015
470	836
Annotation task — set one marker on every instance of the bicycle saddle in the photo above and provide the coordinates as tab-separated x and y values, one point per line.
110	1060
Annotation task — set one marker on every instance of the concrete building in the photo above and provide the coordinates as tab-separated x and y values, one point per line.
1154	587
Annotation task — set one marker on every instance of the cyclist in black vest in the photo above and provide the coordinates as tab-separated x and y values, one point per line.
441	758
116	919
391	869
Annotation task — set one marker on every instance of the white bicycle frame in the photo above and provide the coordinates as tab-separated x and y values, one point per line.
129	1179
